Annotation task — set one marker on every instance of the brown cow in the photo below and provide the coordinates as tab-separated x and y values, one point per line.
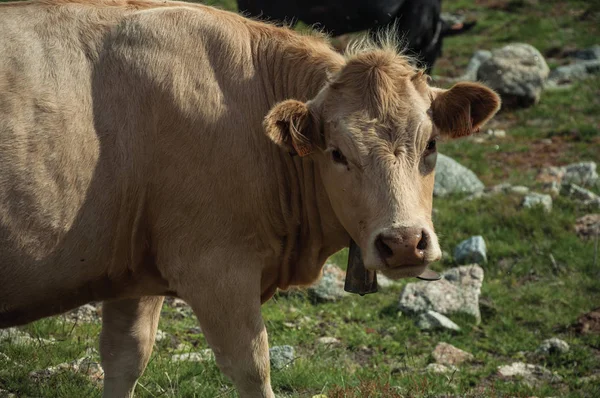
134	164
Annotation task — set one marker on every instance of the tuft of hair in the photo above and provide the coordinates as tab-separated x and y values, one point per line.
385	39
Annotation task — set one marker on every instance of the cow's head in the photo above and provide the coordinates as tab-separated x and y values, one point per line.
372	133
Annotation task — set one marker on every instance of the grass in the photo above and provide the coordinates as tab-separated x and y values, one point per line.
382	353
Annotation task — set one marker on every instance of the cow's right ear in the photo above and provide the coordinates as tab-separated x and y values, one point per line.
463	109
293	126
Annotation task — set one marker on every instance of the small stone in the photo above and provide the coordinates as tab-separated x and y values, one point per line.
478	58
440	369
453	178
553	346
18	337
85	366
457	292
517	72
281	356
432	320
471	251
384	282
519	190
87	313
588	54
328	341
330	287
532	375
588	226
496	133
534	199
200	356
546	141
500	188
580	194
552	187
582	173
576	71
160	335
447	354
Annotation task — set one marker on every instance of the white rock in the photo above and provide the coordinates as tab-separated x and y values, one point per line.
534	199
457	292
431	320
471	251
553	346
517	72
447	354
453	178
282	356
199	356
439	368
18	337
328	341
532	375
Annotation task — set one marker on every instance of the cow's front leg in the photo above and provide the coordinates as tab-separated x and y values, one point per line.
128	331
230	317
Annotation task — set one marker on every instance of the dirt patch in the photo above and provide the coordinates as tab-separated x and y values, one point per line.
588	226
588	323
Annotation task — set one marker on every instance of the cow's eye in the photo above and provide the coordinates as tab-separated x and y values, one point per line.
338	157
431	146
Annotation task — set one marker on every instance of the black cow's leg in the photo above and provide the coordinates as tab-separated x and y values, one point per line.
128	331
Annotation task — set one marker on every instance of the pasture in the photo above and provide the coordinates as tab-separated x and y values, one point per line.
540	277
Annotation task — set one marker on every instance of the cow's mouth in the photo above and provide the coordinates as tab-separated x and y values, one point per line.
363	281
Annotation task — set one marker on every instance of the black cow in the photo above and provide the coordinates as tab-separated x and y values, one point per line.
418	22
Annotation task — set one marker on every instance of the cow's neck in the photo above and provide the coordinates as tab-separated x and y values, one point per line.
313	232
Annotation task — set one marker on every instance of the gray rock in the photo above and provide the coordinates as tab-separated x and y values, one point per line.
384	282
471	251
496	133
500	188
588	54
477	59
569	73
582	173
85	366
457	292
160	335
281	356
532	375
447	354
87	313
432	320
553	346
538	199
581	195
328	341
452	177
552	188
18	337
519	190
330	287
517	72
200	356
440	369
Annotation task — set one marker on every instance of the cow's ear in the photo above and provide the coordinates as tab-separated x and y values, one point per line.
292	125
463	109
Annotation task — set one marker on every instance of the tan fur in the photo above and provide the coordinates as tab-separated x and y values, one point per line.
134	162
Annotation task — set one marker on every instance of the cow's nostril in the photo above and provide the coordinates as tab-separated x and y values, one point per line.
423	243
383	249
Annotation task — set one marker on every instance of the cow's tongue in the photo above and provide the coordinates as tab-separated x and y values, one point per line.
363	281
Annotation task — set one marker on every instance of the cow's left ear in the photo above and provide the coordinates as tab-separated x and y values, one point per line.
292	125
463	109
